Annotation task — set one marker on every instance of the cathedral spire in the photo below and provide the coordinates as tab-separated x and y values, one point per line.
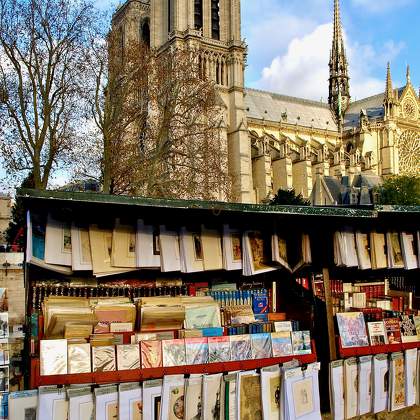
408	74
339	89
388	90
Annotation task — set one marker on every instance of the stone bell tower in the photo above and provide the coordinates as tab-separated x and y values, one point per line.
213	29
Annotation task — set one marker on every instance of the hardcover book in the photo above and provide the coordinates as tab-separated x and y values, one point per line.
408	329
240	347
53	357
103	358
151	354
281	343
282	326
352	328
196	351
79	360
173	352
219	349
393	331
377	335
261	346
301	342
128	356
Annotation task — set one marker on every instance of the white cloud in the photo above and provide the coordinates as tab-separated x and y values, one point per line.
303	69
380	6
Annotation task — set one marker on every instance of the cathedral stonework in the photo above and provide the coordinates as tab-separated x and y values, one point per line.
276	141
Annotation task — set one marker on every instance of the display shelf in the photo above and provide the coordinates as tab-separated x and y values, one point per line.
372	350
144	374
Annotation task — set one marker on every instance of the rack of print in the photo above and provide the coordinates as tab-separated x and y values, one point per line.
372	350
139	375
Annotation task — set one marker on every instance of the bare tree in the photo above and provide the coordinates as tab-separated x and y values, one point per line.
41	73
159	121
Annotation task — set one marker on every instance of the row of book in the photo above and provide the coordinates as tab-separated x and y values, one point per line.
62	356
373	384
287	392
120	248
376	250
353	331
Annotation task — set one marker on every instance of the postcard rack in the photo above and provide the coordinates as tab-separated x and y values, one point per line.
144	374
372	350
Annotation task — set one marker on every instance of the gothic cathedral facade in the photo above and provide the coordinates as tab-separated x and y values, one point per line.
276	141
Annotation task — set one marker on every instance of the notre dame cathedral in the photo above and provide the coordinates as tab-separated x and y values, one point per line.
332	153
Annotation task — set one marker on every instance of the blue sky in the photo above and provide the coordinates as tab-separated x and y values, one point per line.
289	43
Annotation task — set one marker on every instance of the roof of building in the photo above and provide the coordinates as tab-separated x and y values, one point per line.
274	107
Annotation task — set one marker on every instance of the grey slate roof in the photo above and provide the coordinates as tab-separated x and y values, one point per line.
273	107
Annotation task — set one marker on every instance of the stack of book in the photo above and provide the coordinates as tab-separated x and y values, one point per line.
373	384
100	354
64	247
276	392
354	332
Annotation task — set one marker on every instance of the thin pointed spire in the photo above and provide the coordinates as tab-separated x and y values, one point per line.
408	74
389	89
339	90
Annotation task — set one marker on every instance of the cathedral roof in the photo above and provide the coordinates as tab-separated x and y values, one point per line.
373	105
274	107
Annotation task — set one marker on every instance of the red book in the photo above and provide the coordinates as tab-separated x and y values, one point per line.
151	354
392	330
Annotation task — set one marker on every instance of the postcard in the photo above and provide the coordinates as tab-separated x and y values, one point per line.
301	342
281	344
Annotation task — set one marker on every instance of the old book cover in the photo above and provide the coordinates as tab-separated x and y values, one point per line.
193	397
151	354
377	334
173	397
240	347
173	352
211	396
281	343
219	349
232	248
408	329
261	346
53	357
23	404
128	357
103	358
257	253
301	342
352	328
130	401
397	376
249	398
393	331
196	351
79	359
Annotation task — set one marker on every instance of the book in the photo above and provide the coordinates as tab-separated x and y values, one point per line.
128	357
394	254
53	357
352	328
130	401
409	250
257	255
196	351
408	329
378	250
363	250
281	343
393	331
380	371
377	334
261	346
103	358
151	354
281	326
173	352
173	391
249	395
240	347
301	342
219	349
79	359
193	397
270	392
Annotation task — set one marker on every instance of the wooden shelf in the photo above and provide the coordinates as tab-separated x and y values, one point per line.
372	350
144	374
